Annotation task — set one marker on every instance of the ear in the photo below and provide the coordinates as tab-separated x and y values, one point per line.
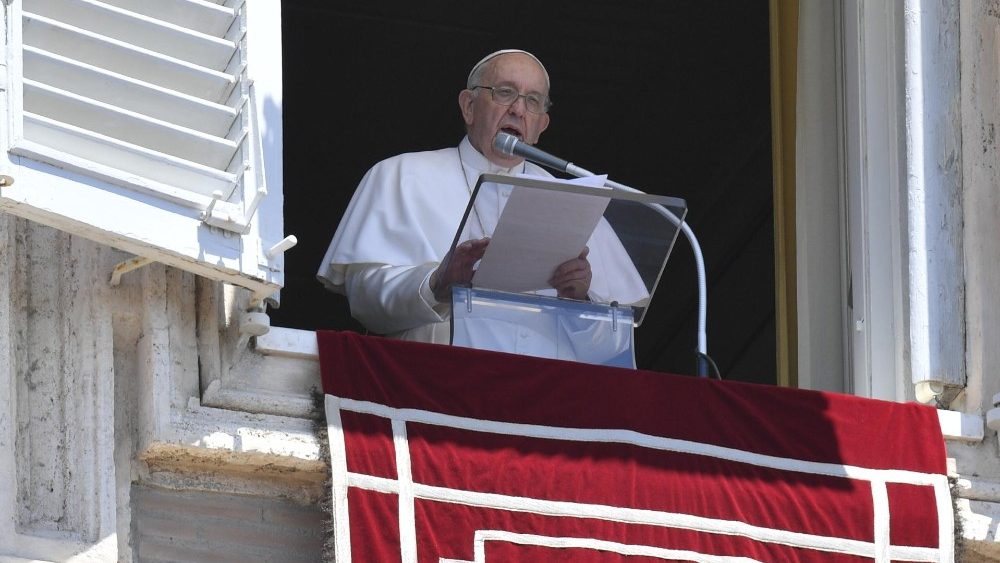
543	124
465	99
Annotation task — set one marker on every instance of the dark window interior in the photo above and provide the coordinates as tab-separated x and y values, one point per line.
671	97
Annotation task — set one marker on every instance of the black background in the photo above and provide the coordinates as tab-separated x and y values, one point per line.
671	97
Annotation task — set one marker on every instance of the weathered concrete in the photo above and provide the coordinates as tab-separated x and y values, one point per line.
981	170
59	500
979	463
102	389
201	527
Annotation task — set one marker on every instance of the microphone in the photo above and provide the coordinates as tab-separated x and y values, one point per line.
512	146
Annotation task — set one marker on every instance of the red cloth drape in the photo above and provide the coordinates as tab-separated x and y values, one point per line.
454	453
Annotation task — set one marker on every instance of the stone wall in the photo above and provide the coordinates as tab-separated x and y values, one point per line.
978	463
205	527
102	397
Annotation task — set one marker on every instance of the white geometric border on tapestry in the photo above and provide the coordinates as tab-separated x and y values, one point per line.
880	550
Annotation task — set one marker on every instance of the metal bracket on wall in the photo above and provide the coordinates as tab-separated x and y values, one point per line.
127	266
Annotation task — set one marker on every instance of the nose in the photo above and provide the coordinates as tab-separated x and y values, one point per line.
518	107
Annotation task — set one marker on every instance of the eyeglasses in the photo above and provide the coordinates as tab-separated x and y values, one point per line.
507	96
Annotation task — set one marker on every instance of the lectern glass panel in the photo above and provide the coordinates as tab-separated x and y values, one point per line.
535	224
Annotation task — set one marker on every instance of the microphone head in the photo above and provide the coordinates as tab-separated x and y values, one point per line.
504	143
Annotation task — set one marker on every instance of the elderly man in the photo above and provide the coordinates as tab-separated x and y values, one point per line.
386	253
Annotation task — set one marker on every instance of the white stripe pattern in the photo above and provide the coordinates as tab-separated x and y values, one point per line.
880	549
483	536
880	504
404	476
338	479
647	441
946	522
643	517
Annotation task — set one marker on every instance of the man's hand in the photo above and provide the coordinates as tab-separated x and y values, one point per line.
572	278
457	268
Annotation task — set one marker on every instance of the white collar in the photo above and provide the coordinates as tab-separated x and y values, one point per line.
474	160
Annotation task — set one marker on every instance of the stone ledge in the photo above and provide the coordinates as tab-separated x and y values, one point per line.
214	449
288	342
186	468
242	432
961	427
301	344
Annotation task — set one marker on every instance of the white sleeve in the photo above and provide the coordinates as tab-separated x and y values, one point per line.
389	299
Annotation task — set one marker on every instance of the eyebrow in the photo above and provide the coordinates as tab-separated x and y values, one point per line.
512	85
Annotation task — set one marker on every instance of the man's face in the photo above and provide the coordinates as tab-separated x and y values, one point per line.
484	118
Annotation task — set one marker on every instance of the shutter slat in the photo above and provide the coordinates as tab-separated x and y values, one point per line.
148	91
198	15
114	135
127	93
138	30
127	126
122	58
119	156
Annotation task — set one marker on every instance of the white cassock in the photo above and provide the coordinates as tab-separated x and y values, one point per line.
402	221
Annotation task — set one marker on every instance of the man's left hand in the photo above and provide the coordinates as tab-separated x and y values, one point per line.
572	278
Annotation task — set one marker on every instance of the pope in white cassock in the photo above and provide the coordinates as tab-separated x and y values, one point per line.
386	253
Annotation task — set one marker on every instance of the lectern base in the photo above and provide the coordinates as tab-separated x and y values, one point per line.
545	327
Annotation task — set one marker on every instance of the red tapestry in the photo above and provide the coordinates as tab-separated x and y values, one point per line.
443	454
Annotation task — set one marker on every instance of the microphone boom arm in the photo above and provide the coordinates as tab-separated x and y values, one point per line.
511	145
702	364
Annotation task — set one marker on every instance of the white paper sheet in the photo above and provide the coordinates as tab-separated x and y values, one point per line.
537	231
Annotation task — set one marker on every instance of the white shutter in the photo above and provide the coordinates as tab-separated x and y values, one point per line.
156	111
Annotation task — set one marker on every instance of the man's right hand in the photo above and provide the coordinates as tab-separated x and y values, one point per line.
457	267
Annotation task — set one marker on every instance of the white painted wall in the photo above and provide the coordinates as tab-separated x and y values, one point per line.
933	202
821	276
952	317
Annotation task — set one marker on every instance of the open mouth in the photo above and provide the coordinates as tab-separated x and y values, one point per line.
513	131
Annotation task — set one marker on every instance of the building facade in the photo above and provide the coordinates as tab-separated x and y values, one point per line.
150	413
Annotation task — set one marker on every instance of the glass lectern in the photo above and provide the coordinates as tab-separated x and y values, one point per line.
536	224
